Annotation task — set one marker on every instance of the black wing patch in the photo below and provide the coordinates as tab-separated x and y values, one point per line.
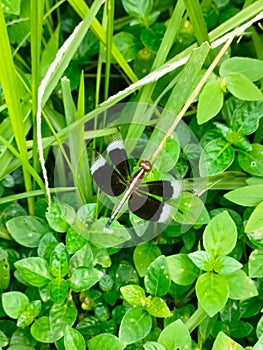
107	178
119	158
149	208
165	189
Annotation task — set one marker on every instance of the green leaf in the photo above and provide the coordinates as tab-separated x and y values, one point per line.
152	37
252	162
58	290
202	259
241	87
226	264
105	341
29	314
249	67
259	329
101	257
106	283
259	343
59	261
4	270
248	196
83	257
11	7
175	336
125	274
138	9
240	285
191	210
212	292
255	221
46	245
3	340
84	278
60	216
246	117
87	212
96	234
14	303
210	101
134	295
153	345
61	316
135	325
218	155
89	326
74	241
182	270
27	230
128	45
220	235
74	340
158	308
255	263
222	341
143	255
240	141
34	270
42	331
157	280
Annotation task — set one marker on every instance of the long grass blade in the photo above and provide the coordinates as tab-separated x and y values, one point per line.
10	87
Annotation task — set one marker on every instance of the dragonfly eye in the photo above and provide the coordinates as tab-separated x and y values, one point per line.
145	165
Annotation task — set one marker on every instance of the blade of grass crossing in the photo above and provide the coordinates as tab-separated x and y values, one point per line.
109	40
37	11
55	72
135	130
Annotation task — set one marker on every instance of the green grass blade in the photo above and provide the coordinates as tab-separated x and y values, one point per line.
11	91
195	14
37	11
65	54
167	42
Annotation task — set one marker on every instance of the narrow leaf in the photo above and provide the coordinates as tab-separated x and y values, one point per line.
248	196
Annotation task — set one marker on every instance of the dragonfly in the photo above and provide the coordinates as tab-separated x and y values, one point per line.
147	200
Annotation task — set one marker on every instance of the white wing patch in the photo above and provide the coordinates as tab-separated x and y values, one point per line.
176	185
97	164
166	213
115	144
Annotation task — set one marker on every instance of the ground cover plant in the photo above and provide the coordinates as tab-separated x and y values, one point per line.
180	82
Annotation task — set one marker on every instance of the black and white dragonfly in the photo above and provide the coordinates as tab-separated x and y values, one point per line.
147	200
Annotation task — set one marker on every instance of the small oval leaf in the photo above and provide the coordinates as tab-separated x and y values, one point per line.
135	325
